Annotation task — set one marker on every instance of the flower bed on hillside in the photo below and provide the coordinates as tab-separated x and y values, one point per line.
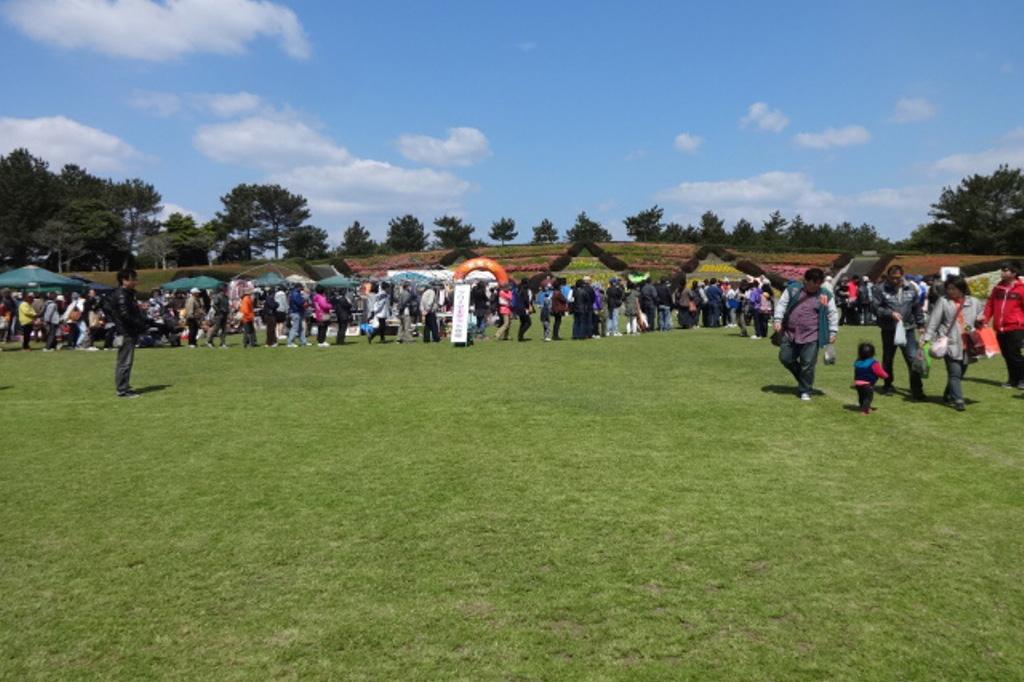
805	260
931	264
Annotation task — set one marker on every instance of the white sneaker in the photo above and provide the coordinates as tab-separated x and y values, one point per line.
292	345
805	396
755	336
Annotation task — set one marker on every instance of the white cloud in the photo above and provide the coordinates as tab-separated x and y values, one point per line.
169	209
833	137
157	30
891	209
266	142
527	46
364	186
767	188
221	104
636	154
1015	135
914	198
911	109
685	142
160	103
336	183
764	118
981	162
463	147
60	141
228	104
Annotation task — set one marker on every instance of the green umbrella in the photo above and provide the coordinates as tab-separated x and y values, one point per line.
186	283
269	279
340	282
178	284
38	279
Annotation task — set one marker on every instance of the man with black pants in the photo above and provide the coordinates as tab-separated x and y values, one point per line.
219	326
649	304
1005	312
897	302
130	323
343	310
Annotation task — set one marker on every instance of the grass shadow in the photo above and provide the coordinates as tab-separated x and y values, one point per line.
979	380
779	389
153	388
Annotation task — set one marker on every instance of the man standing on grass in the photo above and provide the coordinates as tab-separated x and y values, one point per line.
221	308
897	302
129	322
428	308
1005	312
807	319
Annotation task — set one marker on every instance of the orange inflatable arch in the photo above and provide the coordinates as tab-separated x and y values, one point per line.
491	266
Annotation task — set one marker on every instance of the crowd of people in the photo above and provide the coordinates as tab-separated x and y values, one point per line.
920	319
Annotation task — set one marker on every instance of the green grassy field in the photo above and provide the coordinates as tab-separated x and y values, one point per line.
660	507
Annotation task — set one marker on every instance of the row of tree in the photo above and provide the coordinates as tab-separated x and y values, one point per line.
73	219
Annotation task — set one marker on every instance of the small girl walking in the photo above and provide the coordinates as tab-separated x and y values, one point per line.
866	372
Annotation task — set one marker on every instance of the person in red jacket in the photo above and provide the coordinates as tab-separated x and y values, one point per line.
1005	312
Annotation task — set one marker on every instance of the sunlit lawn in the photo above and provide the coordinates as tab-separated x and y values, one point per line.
660	507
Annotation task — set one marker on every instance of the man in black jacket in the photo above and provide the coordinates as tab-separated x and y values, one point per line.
897	302
130	323
649	304
343	310
615	294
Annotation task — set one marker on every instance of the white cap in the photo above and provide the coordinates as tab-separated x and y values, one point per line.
194	290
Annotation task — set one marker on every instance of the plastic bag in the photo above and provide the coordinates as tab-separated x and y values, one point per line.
900	337
922	363
830	354
938	348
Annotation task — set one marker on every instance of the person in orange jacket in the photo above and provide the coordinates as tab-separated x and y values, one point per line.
1005	312
245	308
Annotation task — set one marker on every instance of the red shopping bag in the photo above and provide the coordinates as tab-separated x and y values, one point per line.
983	343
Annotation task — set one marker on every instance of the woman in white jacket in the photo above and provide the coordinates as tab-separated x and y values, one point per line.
953	316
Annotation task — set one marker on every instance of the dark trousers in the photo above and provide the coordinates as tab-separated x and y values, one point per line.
125	360
761	324
524	324
909	350
26	335
271	324
714	315
193	331
342	328
865	394
800	359
582	325
219	327
249	334
651	313
430	328
557	326
379	331
51	335
321	332
1009	346
955	370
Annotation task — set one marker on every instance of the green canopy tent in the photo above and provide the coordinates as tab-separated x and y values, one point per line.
186	283
33	278
340	282
269	279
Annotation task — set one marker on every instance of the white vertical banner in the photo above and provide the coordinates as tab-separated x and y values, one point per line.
460	314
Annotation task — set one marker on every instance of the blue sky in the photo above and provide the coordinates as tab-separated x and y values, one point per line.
530	110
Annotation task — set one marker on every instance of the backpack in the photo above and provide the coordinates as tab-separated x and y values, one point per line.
515	304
